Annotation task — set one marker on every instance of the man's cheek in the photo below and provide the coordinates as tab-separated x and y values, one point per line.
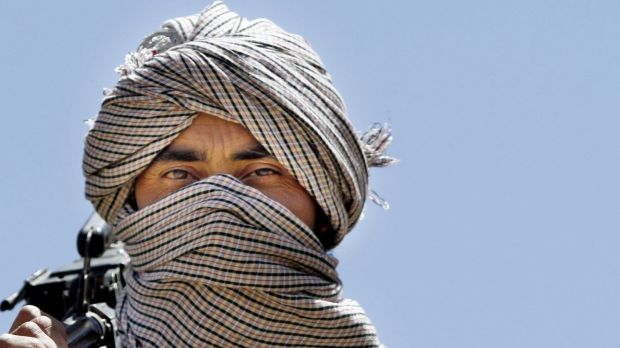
149	194
295	199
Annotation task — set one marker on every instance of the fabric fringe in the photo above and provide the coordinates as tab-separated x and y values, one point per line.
374	143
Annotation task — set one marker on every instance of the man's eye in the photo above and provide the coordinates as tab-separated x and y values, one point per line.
263	172
177	174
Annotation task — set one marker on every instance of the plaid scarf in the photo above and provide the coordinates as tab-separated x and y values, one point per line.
220	264
236	274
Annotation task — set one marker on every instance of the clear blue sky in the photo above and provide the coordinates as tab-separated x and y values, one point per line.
504	227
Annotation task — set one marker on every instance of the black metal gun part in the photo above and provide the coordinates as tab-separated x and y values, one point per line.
83	293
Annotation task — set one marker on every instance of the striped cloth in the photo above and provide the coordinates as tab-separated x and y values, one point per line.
217	263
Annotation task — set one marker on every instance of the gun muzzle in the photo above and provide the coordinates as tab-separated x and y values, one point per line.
10	302
13	299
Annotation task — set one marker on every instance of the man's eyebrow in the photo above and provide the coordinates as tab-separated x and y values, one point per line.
178	155
256	152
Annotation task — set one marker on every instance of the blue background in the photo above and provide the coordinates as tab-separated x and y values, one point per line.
503	230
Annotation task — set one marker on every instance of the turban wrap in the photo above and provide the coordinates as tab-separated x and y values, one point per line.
217	263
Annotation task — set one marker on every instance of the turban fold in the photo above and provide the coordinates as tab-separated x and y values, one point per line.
271	82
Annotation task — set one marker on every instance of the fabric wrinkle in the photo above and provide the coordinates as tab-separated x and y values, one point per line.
227	242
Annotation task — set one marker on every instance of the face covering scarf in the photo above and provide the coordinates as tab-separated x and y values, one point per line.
272	83
219	264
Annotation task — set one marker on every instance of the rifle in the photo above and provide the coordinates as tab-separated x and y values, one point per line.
81	294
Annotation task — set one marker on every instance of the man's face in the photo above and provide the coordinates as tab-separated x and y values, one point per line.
212	146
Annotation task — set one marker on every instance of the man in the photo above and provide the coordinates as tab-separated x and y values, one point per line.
225	162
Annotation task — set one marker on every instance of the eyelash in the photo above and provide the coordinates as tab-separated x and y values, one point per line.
185	173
